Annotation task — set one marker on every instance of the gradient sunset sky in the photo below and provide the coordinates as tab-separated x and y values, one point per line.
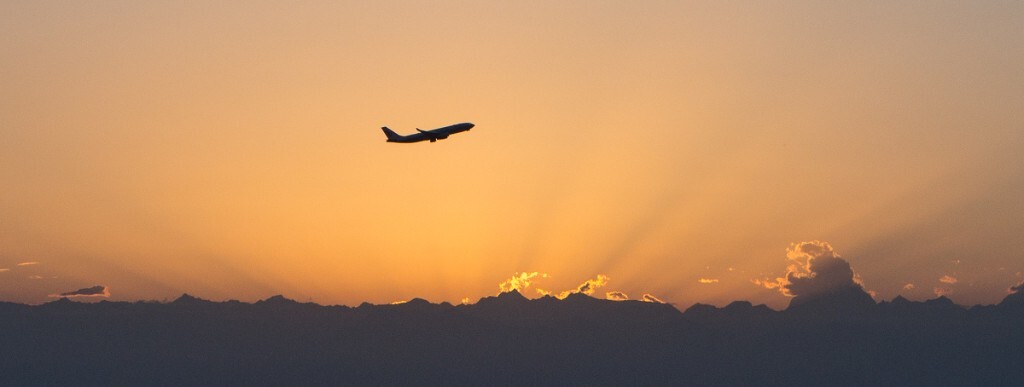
232	150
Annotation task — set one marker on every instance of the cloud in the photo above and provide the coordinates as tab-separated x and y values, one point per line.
616	296
908	286
520	281
95	291
708	280
1016	288
35	277
816	269
4	269
946	279
28	263
768	283
942	291
650	298
465	300
588	287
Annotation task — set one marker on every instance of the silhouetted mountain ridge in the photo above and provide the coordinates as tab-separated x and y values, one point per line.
840	338
844	302
187	299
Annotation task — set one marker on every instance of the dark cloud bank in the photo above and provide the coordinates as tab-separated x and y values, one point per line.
830	337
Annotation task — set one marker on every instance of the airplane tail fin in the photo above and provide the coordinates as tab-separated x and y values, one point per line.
390	133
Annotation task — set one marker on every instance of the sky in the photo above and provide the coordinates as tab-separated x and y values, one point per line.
682	150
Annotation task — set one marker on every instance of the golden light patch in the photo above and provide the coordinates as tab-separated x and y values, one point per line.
520	281
651	298
616	296
587	287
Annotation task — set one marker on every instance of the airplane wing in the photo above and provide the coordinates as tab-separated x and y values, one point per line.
434	134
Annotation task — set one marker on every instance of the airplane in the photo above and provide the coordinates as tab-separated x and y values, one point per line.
432	135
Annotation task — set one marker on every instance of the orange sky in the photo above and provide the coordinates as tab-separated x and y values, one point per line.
232	149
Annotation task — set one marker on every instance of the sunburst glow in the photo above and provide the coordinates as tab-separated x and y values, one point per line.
234	151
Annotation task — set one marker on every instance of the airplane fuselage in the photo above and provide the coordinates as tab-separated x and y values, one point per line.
428	135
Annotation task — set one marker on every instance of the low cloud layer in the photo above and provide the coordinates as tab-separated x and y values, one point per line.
1016	288
768	283
524	280
520	281
592	284
588	287
651	298
95	291
948	279
616	296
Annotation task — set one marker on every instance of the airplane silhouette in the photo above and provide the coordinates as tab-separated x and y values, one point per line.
432	135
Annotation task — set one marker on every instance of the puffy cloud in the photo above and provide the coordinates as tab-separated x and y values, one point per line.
1016	288
616	296
588	287
95	291
946	279
520	281
908	286
651	298
28	263
816	269
465	300
708	280
592	284
768	283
